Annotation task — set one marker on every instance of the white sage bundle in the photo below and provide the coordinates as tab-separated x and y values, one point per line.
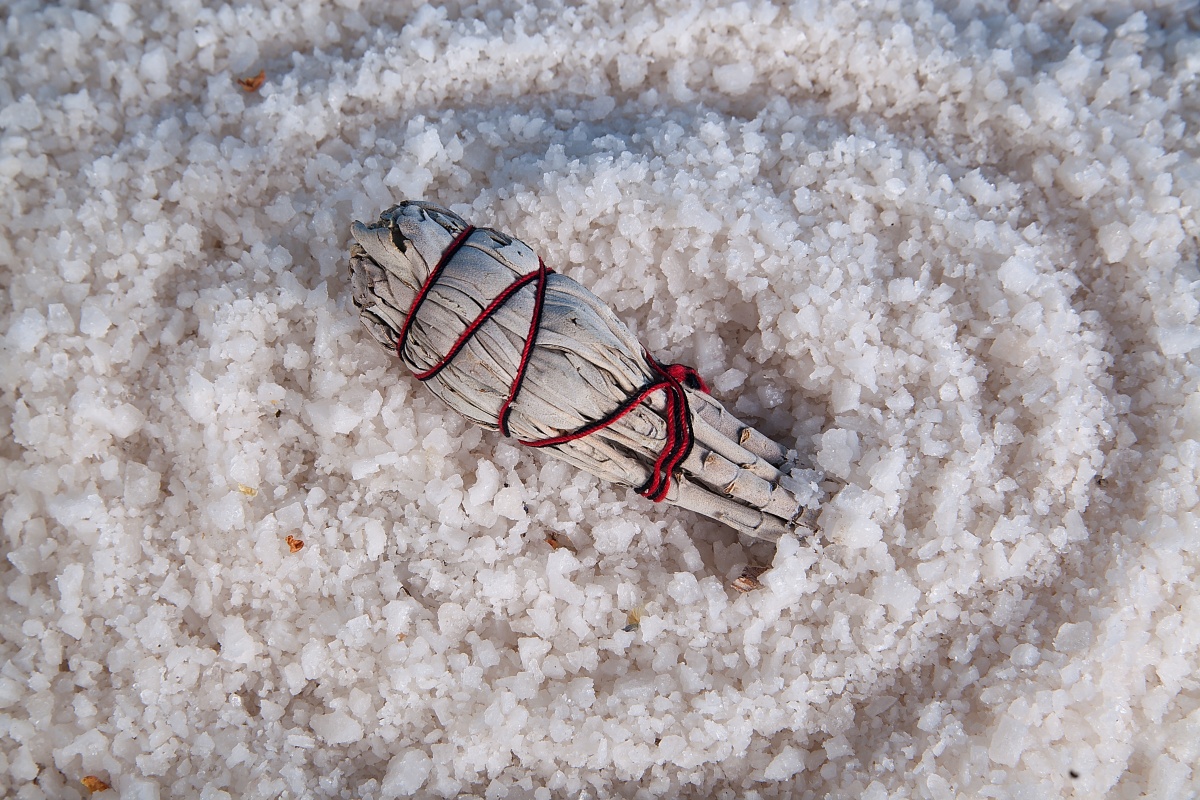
514	346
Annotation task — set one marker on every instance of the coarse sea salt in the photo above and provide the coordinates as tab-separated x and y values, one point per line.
970	296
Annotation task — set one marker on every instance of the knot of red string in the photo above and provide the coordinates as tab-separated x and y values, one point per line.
670	379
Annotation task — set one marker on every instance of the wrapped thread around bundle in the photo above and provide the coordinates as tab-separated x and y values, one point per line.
513	346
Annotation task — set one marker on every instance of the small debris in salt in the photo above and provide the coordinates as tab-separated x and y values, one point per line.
94	784
254	82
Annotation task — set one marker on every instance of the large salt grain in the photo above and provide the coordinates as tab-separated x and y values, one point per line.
406	773
237	644
946	254
337	727
27	331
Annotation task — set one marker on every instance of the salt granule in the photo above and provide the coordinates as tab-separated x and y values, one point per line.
613	536
229	512
1073	636
337	728
237	644
785	765
27	331
1025	655
406	773
1008	741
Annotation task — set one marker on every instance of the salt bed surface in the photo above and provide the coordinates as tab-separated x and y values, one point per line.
948	251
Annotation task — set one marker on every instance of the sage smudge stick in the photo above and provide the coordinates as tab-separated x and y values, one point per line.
515	347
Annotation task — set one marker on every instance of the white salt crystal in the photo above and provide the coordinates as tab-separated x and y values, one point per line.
198	398
886	475
1081	177
237	644
24	114
60	319
880	704
337	727
452	620
631	70
497	586
487	481
425	146
1114	241
670	748
294	677
1073	637
135	788
692	212
153	65
684	589
1025	655
838	747
1178	341
73	624
399	614
331	417
508	504
93	321
839	449
1169	778
92	745
124	421
269	546
240	349
10	692
532	650
613	536
70	587
1013	529
23	767
374	538
788	577
290	517
80	514
27	331
939	788
931	716
229	512
279	212
1017	274
903	290
734	78
559	566
729	380
1009	739
896	590
847	519
406	773
789	762
875	791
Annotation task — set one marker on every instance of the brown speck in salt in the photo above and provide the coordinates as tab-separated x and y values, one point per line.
94	784
555	543
748	580
254	83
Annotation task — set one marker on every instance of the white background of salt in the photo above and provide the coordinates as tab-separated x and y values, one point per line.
948	251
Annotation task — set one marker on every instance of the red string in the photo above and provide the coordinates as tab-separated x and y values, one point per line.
670	379
430	280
